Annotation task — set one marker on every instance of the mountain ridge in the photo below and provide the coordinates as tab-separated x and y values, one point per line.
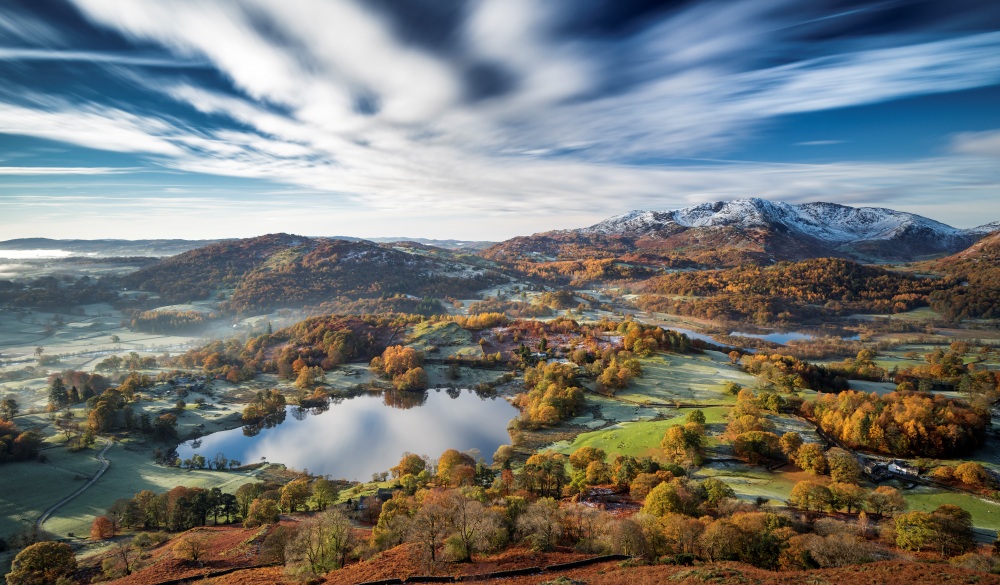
759	230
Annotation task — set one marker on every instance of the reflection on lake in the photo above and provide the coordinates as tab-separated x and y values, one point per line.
781	338
356	437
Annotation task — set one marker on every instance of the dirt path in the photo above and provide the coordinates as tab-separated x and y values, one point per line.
104	467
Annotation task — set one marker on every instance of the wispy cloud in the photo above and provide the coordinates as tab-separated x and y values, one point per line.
27	171
18	54
820	142
985	143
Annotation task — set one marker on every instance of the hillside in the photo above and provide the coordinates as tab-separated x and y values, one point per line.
240	556
732	232
786	291
285	270
977	269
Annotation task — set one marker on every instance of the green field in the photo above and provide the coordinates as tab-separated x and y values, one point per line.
672	378
985	514
638	439
752	482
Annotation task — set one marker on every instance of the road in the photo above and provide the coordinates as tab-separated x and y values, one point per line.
104	467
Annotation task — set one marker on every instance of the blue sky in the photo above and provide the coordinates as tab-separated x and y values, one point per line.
484	119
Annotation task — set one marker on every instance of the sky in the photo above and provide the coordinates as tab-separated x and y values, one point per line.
483	120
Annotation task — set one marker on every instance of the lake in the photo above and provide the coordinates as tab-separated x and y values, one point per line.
356	437
783	338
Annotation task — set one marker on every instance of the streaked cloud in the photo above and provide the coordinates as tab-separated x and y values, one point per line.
28	171
977	143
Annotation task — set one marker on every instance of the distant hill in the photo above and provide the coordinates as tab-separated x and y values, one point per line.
282	270
751	230
107	248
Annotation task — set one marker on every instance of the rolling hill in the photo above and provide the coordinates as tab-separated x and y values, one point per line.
282	270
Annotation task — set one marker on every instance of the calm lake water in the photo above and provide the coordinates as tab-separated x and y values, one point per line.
359	436
784	338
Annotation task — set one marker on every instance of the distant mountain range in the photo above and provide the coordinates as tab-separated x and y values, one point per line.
756	230
162	248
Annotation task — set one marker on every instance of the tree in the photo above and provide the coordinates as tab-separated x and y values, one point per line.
42	563
8	409
309	376
431	524
716	491
756	446
324	493
695	416
262	512
246	494
295	494
848	495
583	456
809	495
684	444
321	543
474	527
190	547
844	467
456	468
789	444
914	530
58	396
886	501
101	528
412	380
974	474
541	520
953	529
410	464
674	497
810	458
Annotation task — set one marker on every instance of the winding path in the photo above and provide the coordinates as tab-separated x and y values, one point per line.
104	467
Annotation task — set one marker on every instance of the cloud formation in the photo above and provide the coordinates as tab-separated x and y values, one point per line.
515	107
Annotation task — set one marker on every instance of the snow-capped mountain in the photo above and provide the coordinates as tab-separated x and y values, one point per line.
828	222
756	230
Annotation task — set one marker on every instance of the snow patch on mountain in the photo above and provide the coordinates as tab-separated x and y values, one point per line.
827	222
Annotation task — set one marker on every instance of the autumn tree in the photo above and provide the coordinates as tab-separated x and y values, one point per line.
684	444
431	524
844	466
848	496
456	468
295	494
886	501
809	495
810	458
789	444
261	512
101	528
42	563
190	547
410	464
